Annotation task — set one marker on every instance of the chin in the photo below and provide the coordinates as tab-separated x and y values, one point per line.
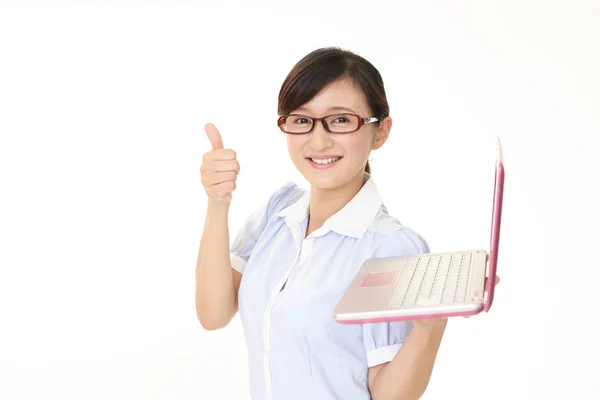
333	178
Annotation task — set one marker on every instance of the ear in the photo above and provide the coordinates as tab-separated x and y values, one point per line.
382	133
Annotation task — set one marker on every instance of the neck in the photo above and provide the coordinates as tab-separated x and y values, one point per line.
326	202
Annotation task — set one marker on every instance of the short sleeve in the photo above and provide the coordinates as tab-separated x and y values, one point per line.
254	225
382	340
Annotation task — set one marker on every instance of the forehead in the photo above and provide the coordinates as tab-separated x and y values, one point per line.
336	97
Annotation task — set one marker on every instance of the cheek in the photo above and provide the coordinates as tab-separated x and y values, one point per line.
358	146
295	144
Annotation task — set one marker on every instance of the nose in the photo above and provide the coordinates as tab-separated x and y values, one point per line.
320	139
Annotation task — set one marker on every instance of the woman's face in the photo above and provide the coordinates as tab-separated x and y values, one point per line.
350	149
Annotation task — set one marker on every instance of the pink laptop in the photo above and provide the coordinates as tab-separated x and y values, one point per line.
432	285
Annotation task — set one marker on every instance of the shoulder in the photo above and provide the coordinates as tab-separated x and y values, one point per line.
392	238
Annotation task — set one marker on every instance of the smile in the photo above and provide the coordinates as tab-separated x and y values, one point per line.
323	162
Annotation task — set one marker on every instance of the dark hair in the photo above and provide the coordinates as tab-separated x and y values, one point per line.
324	66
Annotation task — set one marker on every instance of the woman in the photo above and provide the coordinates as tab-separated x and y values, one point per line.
293	259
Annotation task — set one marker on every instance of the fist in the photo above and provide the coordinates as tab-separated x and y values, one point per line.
219	168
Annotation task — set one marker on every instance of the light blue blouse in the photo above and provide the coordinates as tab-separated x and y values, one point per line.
291	284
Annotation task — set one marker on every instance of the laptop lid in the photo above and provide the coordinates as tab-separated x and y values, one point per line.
496	218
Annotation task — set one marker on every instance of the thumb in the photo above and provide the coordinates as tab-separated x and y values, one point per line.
214	136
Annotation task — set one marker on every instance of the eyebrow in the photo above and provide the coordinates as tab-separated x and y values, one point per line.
329	109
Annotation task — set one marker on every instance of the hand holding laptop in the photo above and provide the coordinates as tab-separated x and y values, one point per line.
438	322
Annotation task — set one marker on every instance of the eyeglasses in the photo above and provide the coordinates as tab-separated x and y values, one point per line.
335	123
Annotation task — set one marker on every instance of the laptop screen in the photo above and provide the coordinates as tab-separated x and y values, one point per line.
496	218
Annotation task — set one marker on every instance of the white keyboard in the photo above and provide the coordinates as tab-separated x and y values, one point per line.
431	280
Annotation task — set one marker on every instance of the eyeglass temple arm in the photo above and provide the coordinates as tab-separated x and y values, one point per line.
371	119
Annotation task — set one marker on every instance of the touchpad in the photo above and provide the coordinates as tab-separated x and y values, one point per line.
375	279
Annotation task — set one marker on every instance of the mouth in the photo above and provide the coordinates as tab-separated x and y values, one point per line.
322	162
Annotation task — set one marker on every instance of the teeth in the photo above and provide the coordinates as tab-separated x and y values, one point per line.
325	161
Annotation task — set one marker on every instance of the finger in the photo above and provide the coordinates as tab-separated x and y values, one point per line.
214	136
219	177
220	154
222	166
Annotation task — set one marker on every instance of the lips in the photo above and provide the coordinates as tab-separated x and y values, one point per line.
324	160
321	162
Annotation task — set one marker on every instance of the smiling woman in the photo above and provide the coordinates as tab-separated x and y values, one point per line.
295	257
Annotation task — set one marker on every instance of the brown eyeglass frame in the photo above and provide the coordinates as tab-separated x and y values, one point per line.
361	121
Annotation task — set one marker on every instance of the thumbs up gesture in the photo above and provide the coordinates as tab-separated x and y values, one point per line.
219	168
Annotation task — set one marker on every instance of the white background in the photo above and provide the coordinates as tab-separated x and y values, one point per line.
102	108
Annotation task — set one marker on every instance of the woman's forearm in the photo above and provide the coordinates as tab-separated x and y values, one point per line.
406	377
215	291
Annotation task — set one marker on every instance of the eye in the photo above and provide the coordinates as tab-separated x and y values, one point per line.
340	119
302	120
